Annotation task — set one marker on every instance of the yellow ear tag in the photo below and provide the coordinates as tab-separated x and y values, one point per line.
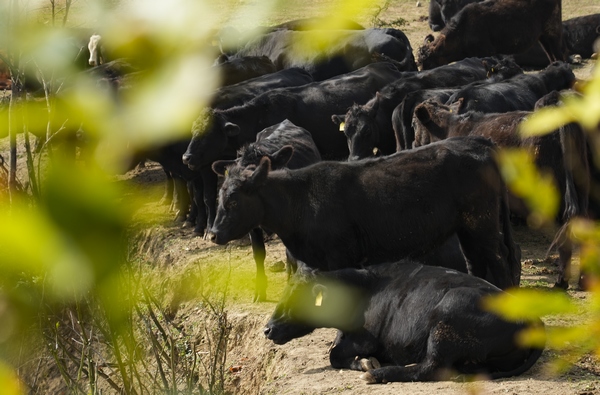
226	172
319	299
342	126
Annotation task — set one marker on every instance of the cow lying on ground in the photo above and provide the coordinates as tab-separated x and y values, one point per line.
496	27
328	217
369	126
441	11
350	50
287	146
520	92
424	323
554	153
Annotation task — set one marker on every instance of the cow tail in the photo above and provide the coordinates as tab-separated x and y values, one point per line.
576	195
514	251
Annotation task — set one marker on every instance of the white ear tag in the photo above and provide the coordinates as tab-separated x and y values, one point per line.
319	299
342	126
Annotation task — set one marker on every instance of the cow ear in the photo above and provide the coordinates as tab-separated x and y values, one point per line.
220	166
260	174
231	129
455	107
422	114
319	292
337	119
281	158
373	105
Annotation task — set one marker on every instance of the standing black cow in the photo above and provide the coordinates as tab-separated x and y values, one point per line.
287	146
328	216
422	322
369	126
495	27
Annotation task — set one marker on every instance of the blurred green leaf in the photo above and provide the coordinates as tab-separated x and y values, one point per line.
9	383
529	304
537	189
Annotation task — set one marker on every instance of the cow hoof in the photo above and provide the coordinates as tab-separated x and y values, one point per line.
562	284
187	224
371	363
369	378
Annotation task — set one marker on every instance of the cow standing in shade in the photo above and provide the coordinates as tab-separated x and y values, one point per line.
328	216
424	323
287	146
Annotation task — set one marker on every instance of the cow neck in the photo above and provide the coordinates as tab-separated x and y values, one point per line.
282	194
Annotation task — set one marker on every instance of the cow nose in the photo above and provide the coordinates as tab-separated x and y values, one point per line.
267	331
186	158
212	236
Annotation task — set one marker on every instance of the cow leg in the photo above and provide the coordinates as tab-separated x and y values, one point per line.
565	252
483	250
182	200
209	179
167	198
354	351
259	253
198	202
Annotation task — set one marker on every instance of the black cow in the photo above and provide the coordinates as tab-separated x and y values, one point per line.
220	133
240	93
496	27
441	11
369	126
242	68
423	322
329	216
517	93
348	50
287	146
579	35
557	153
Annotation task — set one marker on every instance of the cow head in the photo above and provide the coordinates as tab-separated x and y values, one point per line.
433	53
361	130
313	301
239	207
430	120
211	134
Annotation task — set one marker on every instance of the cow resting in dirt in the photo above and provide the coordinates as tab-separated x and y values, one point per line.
404	322
496	27
328	217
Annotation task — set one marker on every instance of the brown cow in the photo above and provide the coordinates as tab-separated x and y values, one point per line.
496	27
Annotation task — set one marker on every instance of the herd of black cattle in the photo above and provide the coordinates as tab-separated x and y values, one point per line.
368	164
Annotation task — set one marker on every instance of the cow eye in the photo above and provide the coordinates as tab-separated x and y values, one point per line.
231	204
